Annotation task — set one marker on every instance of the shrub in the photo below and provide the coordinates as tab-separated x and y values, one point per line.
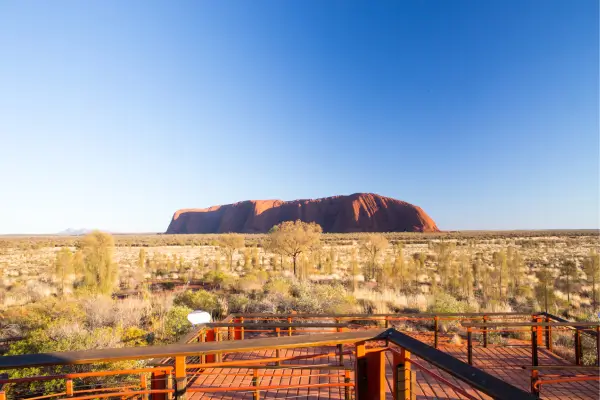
176	323
199	300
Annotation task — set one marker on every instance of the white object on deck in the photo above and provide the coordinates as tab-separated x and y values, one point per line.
199	317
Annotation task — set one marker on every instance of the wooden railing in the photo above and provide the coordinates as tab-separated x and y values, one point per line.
369	368
174	367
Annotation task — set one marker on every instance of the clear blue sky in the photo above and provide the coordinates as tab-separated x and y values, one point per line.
113	114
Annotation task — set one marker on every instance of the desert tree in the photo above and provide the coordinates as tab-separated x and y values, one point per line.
354	267
385	276
591	267
418	267
100	273
545	286
294	238
229	243
141	264
464	275
444	257
500	271
515	271
568	272
399	269
372	246
63	267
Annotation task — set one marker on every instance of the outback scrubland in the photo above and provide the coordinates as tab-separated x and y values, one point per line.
67	293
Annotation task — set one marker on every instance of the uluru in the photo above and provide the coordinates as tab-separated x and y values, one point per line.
359	212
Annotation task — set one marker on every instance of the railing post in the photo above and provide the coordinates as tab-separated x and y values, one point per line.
578	349
218	338
180	378
203	340
69	387
2	386
158	381
485	331
534	378
277	351
340	349
241	329
469	346
144	385
210	337
346	388
402	384
387	322
539	329
256	394
534	346
370	374
289	320
169	384
548	335
598	346
436	323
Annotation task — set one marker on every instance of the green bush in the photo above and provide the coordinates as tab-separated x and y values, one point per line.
176	323
198	300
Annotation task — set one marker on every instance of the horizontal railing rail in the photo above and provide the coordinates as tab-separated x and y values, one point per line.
538	330
181	350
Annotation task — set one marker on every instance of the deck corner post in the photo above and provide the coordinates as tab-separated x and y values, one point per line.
158	381
375	371
2	394
180	378
403	384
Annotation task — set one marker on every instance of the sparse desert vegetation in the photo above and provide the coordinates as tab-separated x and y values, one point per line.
95	291
141	287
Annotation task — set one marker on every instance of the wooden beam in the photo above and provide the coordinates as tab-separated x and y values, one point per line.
191	349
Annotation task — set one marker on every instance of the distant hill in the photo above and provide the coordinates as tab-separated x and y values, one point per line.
74	232
359	212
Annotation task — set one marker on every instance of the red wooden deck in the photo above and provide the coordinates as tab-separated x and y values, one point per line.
503	362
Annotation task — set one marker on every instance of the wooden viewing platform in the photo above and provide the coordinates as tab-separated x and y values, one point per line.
364	357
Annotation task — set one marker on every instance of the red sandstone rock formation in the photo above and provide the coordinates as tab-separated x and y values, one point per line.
360	212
